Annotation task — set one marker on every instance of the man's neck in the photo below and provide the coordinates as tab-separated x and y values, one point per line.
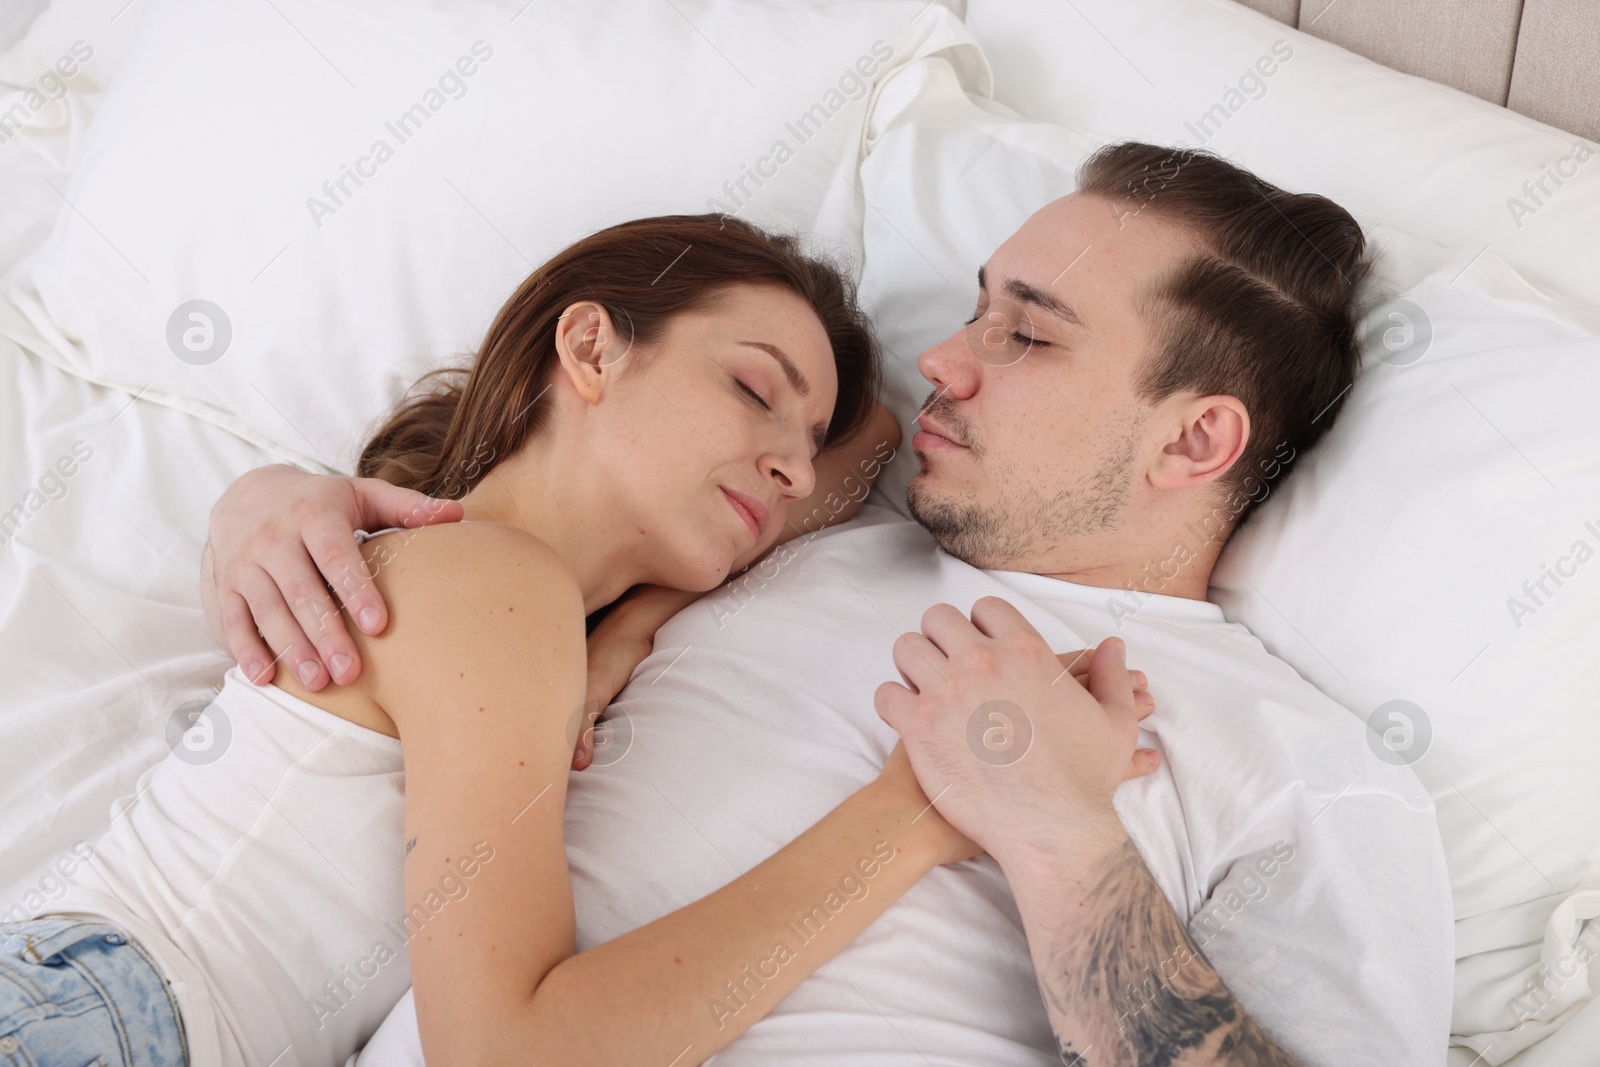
1181	568
1188	583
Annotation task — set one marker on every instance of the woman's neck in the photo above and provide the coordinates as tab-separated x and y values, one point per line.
572	520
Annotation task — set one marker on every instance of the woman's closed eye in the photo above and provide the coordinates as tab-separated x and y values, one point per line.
753	395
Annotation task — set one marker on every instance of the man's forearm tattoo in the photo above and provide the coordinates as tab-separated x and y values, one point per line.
1136	990
1070	1057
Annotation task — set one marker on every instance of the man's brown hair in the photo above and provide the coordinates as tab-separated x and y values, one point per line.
1265	313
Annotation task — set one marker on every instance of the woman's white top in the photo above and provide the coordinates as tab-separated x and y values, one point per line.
260	864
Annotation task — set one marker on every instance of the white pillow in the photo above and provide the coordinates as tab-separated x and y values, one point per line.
950	176
1381	568
345	193
94	32
1395	149
51	80
16	17
1403	561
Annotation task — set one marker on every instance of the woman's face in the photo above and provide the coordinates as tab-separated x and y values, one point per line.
705	437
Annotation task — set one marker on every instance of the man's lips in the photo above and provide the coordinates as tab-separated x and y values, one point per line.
931	438
752	511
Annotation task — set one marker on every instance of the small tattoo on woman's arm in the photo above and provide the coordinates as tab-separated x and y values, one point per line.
411	845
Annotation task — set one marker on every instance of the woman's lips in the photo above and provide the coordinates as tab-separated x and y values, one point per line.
752	511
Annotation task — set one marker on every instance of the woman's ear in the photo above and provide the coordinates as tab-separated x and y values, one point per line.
1209	436
589	349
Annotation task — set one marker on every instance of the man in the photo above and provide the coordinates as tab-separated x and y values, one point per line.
1228	361
1147	358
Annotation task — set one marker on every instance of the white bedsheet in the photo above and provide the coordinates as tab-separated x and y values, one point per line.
101	635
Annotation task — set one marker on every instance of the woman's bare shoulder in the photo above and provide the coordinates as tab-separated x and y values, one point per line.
483	595
466	549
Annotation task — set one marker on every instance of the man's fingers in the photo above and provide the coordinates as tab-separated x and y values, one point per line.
948	629
1000	619
382	505
317	617
281	630
1144	761
249	651
379	506
892	700
1077	662
348	572
920	662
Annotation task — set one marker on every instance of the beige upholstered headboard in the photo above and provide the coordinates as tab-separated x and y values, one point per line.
1537	57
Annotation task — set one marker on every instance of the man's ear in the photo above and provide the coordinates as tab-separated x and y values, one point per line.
1208	437
589	349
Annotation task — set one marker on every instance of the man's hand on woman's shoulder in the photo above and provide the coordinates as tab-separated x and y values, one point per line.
280	539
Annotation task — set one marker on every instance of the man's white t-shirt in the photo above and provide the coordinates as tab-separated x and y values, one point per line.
1309	871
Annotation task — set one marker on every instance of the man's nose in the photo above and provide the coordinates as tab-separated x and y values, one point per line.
951	366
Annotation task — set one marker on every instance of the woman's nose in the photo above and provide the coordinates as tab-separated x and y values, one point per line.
794	474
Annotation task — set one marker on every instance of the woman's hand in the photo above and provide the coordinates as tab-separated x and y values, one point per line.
616	646
900	782
1145	760
279	537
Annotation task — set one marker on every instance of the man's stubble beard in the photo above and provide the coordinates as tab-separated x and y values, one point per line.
1009	535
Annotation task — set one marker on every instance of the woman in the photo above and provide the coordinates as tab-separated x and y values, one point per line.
642	412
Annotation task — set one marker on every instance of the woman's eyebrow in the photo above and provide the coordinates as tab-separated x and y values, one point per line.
790	371
819	432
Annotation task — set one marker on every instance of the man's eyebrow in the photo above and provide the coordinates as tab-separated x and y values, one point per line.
1040	298
819	432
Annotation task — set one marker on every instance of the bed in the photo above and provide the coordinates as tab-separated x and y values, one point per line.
166	158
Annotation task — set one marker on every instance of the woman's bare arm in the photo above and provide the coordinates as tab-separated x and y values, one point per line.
481	670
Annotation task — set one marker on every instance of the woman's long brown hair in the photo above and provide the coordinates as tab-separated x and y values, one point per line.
458	422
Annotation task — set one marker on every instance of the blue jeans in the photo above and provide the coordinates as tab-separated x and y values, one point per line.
81	994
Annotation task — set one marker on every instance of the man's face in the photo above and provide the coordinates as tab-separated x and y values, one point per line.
1033	444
